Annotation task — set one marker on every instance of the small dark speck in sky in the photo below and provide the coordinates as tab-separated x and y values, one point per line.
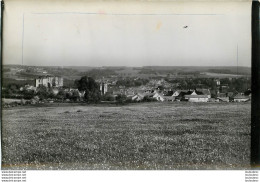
185	27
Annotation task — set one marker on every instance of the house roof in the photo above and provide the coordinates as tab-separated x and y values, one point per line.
169	93
182	91
128	92
168	97
47	76
222	94
223	98
198	92
149	94
181	94
116	92
204	91
240	96
196	96
140	94
248	92
159	94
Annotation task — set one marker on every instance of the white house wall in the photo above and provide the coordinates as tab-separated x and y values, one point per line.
198	99
240	100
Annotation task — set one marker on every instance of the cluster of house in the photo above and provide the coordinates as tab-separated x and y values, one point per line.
47	81
196	95
191	95
138	94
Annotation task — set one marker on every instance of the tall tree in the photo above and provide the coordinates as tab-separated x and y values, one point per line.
91	88
42	92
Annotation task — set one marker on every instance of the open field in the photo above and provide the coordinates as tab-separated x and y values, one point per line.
178	135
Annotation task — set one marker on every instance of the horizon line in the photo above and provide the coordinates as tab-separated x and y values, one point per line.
121	66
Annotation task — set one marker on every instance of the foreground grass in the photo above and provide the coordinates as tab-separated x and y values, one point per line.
138	136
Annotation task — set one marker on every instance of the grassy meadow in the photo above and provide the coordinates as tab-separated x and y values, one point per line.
178	135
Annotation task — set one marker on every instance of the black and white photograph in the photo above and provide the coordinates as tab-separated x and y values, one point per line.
126	85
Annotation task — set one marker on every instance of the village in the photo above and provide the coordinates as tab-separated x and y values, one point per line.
50	89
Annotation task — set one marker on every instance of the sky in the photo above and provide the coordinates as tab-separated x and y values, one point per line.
127	33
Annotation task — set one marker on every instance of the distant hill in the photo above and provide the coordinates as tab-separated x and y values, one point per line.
75	72
211	69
